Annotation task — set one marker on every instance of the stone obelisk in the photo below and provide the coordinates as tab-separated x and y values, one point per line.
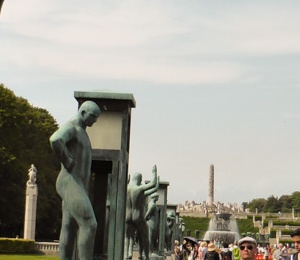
31	203
210	199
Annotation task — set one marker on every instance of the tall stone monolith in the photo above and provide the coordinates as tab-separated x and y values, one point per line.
31	204
211	185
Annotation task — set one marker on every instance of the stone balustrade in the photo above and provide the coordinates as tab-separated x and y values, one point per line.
287	227
47	246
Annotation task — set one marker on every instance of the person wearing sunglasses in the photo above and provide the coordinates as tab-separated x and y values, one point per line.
248	248
295	235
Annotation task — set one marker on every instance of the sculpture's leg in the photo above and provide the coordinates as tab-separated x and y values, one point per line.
86	239
150	241
143	237
68	234
131	244
140	241
80	208
129	241
126	244
87	230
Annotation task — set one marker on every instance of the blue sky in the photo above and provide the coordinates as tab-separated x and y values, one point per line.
216	82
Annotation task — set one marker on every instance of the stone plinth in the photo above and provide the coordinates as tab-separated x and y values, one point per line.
30	211
156	257
153	256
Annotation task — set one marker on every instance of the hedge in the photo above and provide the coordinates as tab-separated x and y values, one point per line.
195	223
13	245
290	242
286	222
273	233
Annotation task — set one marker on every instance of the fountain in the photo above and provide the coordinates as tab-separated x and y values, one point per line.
222	228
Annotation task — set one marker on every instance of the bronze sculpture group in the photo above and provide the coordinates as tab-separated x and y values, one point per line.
135	221
142	223
72	146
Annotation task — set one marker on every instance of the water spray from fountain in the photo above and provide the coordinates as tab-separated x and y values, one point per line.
222	228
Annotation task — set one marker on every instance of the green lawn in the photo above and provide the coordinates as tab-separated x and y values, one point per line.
28	257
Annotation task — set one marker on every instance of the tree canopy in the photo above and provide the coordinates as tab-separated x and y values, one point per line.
24	140
284	204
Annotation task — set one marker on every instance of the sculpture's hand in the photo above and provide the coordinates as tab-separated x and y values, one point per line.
128	178
69	164
154	169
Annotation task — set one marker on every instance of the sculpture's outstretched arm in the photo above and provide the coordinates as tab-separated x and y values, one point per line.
151	191
152	183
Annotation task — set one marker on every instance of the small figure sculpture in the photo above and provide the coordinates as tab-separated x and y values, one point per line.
181	229
32	176
72	146
135	219
152	217
169	229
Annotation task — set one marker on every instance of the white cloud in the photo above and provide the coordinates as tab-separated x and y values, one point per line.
150	40
51	48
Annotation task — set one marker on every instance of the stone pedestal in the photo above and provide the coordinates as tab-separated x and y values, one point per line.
156	257
152	256
110	139
30	211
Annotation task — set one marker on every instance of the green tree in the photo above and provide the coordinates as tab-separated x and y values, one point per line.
285	203
258	204
295	199
24	139
272	205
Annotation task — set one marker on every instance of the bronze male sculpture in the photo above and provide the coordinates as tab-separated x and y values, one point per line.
72	146
135	216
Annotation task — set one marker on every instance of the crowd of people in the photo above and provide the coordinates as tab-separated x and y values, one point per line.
246	248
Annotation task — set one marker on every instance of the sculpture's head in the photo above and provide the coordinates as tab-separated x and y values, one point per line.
137	178
154	196
89	112
170	215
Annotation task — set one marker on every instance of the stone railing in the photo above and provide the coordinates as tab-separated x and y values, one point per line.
287	227
47	246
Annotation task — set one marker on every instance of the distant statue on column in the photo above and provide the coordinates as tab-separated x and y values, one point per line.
32	176
31	204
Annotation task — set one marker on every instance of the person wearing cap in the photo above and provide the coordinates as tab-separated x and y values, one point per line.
248	248
295	235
